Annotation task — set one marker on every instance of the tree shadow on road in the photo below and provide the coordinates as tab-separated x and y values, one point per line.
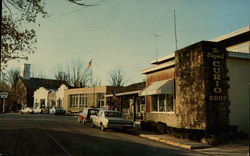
35	141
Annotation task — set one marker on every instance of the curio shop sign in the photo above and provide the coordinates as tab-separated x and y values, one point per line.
217	70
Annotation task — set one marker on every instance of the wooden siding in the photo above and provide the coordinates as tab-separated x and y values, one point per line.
160	75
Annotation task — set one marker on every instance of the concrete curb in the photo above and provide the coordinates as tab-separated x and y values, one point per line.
176	144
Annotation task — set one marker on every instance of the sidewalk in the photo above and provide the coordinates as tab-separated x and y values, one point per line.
233	148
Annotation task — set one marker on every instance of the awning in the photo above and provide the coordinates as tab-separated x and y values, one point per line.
159	87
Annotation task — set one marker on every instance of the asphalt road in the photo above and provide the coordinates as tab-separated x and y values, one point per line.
39	134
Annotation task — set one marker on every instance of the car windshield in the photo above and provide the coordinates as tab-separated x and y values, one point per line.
93	112
113	114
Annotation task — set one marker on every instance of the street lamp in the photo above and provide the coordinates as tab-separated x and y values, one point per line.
9	58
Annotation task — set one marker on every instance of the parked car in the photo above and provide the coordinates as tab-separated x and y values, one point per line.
37	110
84	116
57	110
45	110
110	119
27	110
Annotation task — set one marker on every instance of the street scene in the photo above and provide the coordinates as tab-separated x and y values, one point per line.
115	77
62	135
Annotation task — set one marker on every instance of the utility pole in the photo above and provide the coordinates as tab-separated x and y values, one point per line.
175	34
156	44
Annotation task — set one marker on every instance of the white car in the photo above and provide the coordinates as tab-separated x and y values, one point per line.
110	119
37	110
27	110
57	110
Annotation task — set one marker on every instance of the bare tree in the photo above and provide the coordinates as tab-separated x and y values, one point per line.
79	75
62	75
116	78
12	77
37	73
75	74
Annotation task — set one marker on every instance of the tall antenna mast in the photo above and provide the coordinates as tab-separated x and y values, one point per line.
156	39
175	31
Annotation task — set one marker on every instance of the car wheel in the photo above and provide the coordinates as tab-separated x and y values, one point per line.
102	127
92	124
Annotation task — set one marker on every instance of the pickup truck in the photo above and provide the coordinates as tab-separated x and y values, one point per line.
110	119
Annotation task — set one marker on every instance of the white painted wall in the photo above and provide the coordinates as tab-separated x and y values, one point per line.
60	93
239	73
41	93
242	47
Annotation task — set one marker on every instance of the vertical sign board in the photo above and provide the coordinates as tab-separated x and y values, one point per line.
217	86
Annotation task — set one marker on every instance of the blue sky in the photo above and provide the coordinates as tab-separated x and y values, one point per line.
118	33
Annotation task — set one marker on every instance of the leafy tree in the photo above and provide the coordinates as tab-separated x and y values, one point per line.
10	78
16	39
117	78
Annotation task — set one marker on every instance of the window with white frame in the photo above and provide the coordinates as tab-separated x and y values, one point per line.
100	100
154	103
83	101
73	100
162	103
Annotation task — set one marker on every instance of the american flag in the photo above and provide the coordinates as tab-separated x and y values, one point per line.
90	62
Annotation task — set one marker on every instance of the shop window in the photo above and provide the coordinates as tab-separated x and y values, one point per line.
162	103
154	103
73	100
59	102
170	102
100	100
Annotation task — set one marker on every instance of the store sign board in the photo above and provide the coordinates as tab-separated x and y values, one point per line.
218	89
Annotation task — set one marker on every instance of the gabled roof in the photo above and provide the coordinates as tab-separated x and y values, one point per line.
35	83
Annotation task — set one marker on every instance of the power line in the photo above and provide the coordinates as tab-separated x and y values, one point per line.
83	7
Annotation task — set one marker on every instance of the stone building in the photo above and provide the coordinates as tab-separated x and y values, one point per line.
198	87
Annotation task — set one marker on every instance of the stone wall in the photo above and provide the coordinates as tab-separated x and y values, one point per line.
201	87
190	87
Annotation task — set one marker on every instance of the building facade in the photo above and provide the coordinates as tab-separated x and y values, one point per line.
26	86
76	99
202	87
128	101
44	97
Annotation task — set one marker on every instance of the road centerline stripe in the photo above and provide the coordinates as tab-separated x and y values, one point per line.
52	138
